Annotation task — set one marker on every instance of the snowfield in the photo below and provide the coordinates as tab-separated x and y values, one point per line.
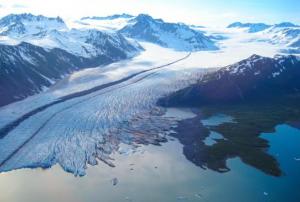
83	130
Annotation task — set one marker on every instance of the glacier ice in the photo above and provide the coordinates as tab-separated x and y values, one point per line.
88	129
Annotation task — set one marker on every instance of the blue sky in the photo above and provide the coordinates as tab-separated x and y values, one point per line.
201	12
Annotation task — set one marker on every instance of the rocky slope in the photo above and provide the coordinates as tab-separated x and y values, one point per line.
36	51
255	78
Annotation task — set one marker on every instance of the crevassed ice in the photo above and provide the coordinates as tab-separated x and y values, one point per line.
80	131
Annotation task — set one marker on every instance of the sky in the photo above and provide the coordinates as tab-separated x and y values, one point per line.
198	12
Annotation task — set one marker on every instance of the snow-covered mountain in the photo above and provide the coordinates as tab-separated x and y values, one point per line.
111	17
53	33
108	23
257	27
177	36
27	24
86	43
285	34
26	69
32	48
255	78
285	24
250	27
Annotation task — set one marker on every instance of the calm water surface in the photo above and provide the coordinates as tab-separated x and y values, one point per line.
163	174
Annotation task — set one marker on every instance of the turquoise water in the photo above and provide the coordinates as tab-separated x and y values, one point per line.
211	139
217	119
285	146
163	174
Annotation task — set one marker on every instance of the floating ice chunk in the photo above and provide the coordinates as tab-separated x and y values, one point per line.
181	198
275	74
128	199
126	149
198	195
223	169
179	113
114	181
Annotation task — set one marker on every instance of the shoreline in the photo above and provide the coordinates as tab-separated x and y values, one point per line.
191	133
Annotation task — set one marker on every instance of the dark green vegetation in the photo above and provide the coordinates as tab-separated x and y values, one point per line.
242	137
258	92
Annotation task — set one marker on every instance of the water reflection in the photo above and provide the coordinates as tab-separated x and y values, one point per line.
237	130
163	174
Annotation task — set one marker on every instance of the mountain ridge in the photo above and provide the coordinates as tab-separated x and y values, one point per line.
110	17
35	54
255	78
252	27
257	27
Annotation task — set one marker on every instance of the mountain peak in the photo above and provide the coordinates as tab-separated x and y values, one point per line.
16	25
285	24
252	27
255	56
110	17
13	18
142	17
235	24
145	18
177	36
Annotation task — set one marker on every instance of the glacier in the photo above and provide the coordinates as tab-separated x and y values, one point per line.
79	131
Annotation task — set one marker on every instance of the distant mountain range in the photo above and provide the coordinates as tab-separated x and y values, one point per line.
285	33
28	24
251	27
182	37
53	33
257	27
111	17
171	35
253	79
178	36
287	36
